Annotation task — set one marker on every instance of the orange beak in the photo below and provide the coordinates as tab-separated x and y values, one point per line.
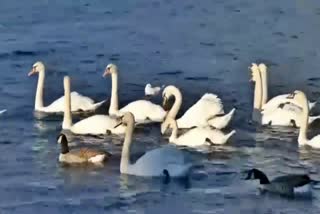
33	71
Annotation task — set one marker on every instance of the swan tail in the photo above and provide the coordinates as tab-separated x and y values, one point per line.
313	118
228	136
312	105
3	111
220	122
97	105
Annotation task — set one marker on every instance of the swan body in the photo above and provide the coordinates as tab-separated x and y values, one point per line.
287	185
151	91
95	125
206	111
144	111
80	156
299	97
79	102
164	161
198	136
285	113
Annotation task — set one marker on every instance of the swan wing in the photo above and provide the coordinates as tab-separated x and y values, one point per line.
154	162
197	115
314	142
78	103
281	117
144	111
97	125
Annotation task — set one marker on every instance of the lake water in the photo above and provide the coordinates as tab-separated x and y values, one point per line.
199	46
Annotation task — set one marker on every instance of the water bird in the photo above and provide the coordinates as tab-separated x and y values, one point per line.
166	161
286	113
152	91
80	156
287	185
208	110
79	102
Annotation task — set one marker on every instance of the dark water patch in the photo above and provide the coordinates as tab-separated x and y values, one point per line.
209	44
84	47
135	85
170	73
6	142
203	25
62	42
24	53
281	34
197	78
294	37
87	61
314	79
100	55
114	57
4	55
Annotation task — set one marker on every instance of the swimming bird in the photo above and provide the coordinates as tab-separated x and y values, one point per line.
283	185
94	125
299	97
166	161
144	111
197	136
207	111
152	91
285	114
80	156
79	102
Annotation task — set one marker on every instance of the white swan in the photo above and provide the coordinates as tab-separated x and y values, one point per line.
164	161
198	136
286	114
94	125
79	102
277	100
206	111
3	111
144	111
300	98
152	91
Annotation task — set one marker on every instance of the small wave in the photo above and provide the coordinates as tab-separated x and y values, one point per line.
177	72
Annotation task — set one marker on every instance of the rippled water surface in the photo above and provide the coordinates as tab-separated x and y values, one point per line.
199	46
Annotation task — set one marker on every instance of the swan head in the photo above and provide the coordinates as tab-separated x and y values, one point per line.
126	120
168	123
263	68
110	69
167	93
298	98
36	68
255	73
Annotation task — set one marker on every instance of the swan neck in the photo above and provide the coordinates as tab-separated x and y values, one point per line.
257	94
125	154
264	81
174	133
39	93
177	104
67	117
304	124
114	105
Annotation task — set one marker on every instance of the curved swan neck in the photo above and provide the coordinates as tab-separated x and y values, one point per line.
39	93
177	103
264	81
67	117
257	94
304	124
125	154
114	102
174	133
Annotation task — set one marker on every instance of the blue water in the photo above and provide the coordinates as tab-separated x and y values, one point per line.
199	46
